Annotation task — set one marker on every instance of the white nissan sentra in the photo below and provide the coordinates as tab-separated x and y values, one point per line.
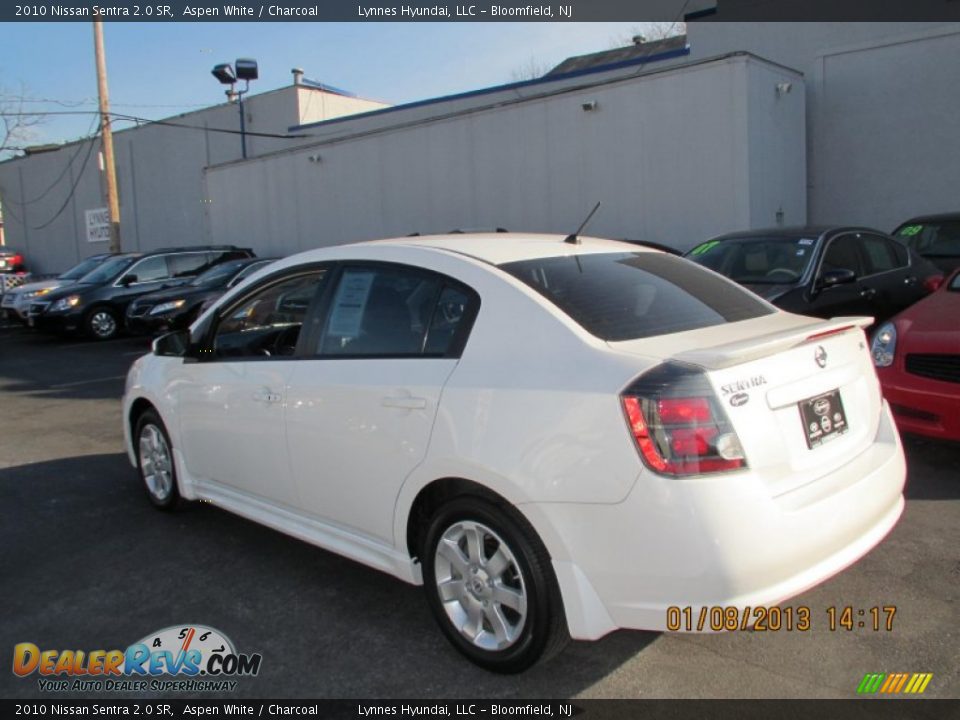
557	438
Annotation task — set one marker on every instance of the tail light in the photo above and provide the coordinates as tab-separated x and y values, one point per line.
16	260
932	282
678	425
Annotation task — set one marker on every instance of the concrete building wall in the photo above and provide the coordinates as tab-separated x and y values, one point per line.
671	155
159	172
882	109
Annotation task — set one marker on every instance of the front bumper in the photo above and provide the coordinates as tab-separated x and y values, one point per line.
717	541
57	322
146	325
921	405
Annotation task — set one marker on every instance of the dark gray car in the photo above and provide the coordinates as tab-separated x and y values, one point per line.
823	271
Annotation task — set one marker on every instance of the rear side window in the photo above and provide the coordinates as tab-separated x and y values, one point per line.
879	253
626	296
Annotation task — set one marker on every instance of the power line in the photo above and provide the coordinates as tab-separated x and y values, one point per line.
93	101
89	136
72	191
167	123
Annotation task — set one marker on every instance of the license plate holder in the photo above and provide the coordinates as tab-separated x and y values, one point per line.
823	417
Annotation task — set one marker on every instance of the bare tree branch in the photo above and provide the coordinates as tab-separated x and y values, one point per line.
649	32
532	69
17	125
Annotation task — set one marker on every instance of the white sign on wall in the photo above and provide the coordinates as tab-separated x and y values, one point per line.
98	225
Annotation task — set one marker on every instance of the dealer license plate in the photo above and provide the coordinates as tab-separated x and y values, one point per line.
823	418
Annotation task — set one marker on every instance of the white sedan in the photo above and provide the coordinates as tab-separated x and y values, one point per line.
556	438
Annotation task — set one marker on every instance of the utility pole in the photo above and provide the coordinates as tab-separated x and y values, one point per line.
110	169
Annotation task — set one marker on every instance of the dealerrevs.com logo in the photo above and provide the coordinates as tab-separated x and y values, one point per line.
200	657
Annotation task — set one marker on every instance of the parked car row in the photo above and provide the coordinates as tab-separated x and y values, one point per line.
94	297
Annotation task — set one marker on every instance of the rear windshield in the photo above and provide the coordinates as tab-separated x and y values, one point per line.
933	239
218	275
757	261
626	296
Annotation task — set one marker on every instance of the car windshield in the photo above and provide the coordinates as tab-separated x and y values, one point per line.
218	275
757	260
107	270
932	239
82	268
626	296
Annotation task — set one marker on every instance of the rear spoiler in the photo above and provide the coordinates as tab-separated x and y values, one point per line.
741	351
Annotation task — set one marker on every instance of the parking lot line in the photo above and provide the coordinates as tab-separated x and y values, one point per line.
87	382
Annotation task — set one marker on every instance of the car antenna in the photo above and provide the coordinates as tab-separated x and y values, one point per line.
574	238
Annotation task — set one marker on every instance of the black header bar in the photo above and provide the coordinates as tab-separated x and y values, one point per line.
480	10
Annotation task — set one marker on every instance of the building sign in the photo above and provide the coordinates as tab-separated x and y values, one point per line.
98	225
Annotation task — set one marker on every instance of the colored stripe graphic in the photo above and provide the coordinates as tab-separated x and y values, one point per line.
894	683
871	682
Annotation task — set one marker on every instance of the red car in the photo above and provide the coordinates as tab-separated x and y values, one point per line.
917	354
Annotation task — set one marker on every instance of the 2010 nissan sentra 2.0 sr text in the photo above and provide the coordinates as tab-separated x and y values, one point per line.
557	439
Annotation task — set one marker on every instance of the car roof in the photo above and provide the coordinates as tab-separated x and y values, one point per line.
938	217
499	248
797	231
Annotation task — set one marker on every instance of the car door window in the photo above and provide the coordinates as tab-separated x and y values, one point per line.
879	256
377	312
268	322
395	311
151	269
842	255
188	264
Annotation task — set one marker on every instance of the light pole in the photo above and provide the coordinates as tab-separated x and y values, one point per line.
242	69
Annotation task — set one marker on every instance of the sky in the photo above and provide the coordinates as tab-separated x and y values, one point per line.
157	70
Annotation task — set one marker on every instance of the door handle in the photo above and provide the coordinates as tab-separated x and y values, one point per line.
266	396
868	293
911	280
405	403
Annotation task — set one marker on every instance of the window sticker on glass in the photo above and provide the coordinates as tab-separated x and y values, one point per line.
706	247
910	230
801	252
349	304
805	241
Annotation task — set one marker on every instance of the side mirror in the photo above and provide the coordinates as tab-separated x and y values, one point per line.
174	344
842	276
128	280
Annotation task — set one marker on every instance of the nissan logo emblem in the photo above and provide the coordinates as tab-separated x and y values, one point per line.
820	356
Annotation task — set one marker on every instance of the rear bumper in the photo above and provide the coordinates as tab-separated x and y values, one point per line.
721	541
922	406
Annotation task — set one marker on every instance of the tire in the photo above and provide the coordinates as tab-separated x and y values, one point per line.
102	323
491	587
155	464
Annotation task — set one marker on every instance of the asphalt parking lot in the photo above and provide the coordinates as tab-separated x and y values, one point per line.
87	563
